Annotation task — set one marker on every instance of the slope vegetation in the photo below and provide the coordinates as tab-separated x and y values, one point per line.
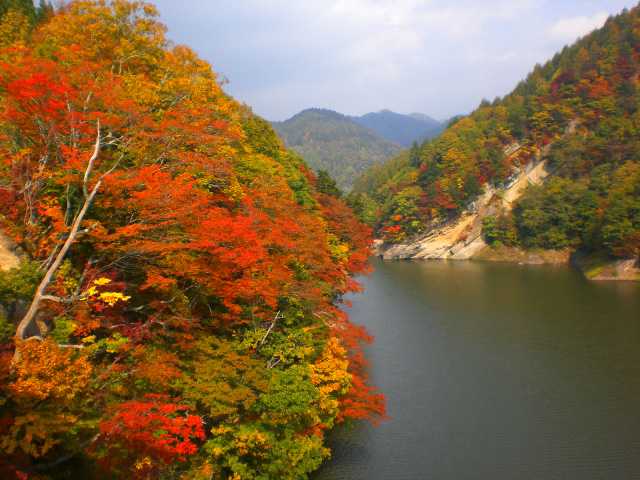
176	314
330	141
578	113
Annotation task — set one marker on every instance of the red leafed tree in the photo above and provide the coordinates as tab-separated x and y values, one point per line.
128	173
143	435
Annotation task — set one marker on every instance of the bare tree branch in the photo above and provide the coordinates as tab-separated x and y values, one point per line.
29	319
94	156
273	324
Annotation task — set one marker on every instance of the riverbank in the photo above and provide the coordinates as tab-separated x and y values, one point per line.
596	267
517	255
601	268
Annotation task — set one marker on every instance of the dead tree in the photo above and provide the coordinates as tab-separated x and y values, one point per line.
28	321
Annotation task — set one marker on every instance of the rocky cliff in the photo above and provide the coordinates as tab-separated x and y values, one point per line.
461	239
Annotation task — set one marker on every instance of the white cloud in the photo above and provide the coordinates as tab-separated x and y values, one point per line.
436	56
572	28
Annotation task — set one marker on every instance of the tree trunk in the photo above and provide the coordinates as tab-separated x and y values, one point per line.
28	321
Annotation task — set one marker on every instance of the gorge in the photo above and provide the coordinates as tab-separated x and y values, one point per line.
189	291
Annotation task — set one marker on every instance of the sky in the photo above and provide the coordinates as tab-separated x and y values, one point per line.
439	57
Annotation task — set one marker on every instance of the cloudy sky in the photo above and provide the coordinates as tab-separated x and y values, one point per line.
439	57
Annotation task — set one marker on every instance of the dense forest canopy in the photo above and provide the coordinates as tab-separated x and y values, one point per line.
333	142
578	111
176	310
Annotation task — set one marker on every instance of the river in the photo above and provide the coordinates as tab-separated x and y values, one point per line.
496	372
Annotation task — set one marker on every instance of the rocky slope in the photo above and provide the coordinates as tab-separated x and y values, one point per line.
462	239
8	257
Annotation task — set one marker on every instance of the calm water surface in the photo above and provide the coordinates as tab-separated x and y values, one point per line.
497	372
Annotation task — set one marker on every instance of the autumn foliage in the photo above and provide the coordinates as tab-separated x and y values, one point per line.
578	111
160	431
193	329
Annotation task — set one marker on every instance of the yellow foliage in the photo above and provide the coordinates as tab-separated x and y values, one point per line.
234	190
330	375
110	298
143	464
339	250
14	27
251	441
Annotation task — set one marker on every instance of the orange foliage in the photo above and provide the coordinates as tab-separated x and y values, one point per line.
48	372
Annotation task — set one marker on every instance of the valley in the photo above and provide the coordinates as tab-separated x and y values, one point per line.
191	291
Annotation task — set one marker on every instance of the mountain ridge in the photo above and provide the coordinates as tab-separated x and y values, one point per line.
331	141
346	145
400	128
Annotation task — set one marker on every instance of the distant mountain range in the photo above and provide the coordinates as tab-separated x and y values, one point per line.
345	146
399	128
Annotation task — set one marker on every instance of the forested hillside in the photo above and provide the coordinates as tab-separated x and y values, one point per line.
401	129
330	141
578	112
175	312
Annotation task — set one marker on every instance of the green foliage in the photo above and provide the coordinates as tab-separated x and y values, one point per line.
327	185
19	283
499	230
255	452
258	408
225	380
557	215
289	401
601	212
262	139
7	329
621	220
364	207
260	136
414	155
334	143
63	329
27	7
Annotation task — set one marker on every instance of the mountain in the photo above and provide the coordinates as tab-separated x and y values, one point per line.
570	130
330	141
399	128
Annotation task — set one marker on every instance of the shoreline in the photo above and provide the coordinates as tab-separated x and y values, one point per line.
594	267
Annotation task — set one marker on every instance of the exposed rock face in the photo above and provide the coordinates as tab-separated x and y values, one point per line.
462	239
8	257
